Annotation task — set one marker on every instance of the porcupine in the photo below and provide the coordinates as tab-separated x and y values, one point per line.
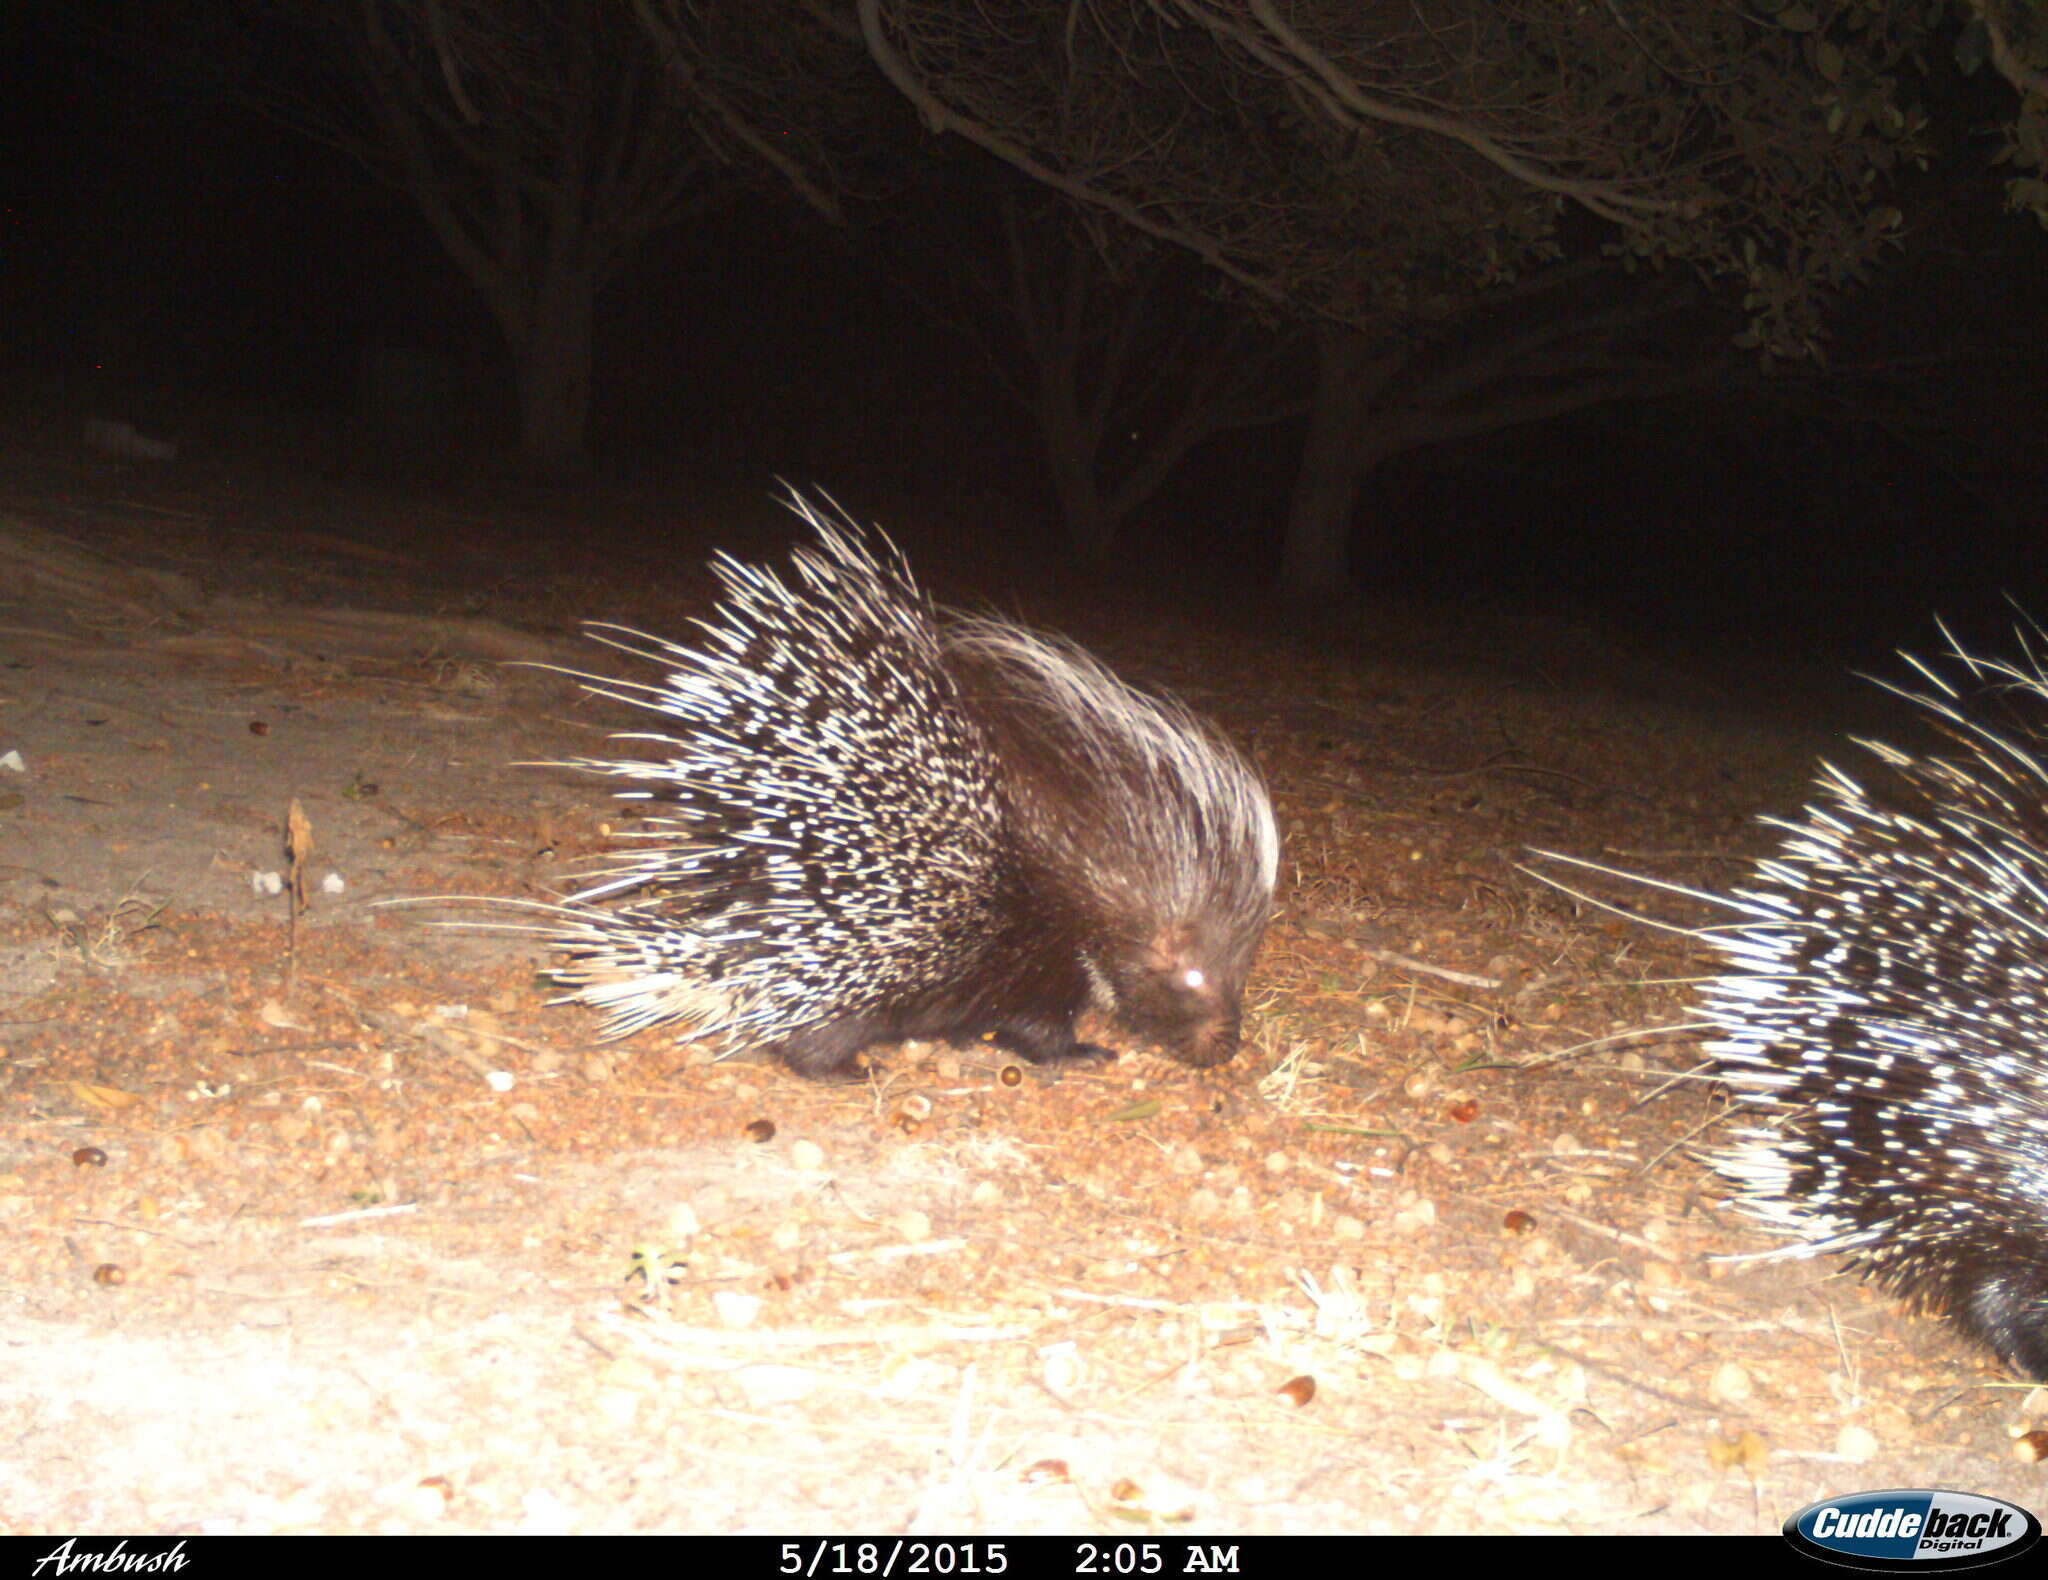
1882	1016
879	822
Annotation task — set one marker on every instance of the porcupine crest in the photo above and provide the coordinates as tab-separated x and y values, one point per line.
1886	1015
879	824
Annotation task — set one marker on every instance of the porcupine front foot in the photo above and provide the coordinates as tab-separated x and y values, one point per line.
1046	1040
830	1050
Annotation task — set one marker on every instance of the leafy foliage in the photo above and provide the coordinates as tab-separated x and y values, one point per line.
1382	163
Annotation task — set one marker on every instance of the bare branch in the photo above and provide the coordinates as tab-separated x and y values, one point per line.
695	85
437	27
1605	198
942	118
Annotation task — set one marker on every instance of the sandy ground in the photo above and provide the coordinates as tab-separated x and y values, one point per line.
338	1227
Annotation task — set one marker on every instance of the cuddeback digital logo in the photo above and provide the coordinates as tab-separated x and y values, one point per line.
1913	1528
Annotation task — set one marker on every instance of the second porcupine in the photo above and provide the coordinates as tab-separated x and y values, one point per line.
878	823
1883	1017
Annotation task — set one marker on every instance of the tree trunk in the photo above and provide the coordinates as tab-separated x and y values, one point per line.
1335	457
551	354
1070	459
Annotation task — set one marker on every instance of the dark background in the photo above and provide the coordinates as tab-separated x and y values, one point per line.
253	267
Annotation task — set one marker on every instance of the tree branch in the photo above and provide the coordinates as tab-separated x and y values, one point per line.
942	118
1604	198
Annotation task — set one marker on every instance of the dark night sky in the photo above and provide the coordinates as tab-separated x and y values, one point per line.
177	258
